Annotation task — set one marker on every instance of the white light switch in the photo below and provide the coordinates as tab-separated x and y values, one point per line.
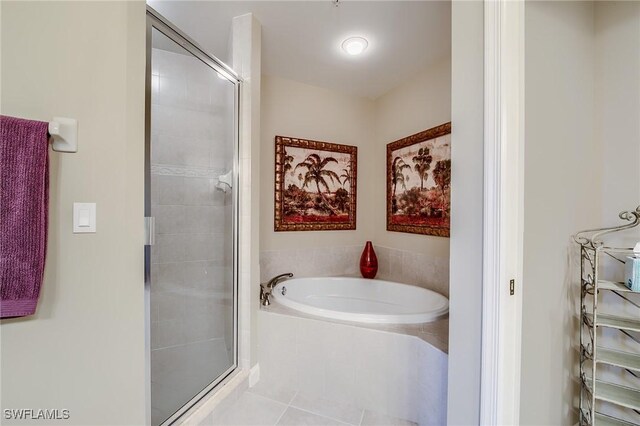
84	217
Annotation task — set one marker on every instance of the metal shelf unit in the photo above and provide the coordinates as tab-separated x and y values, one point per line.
594	355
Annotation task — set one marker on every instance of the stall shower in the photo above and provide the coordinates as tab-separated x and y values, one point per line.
191	198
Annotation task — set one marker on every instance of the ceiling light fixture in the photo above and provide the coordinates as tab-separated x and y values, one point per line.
355	45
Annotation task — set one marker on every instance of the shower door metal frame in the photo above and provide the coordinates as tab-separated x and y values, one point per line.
161	24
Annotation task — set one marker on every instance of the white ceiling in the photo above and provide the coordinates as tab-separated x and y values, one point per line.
301	39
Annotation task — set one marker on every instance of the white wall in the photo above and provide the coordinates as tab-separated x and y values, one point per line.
465	292
617	103
562	196
617	131
581	169
418	104
298	110
84	348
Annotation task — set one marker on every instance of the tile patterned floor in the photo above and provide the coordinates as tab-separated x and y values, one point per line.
272	406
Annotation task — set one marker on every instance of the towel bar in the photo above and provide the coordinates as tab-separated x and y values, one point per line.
64	134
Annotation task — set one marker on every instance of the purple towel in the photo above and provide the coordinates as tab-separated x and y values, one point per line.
24	207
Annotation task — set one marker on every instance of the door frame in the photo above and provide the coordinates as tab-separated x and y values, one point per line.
503	211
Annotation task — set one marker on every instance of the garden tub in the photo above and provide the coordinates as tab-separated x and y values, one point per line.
361	300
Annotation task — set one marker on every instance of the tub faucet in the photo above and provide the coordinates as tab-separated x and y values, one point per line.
266	289
264	295
275	280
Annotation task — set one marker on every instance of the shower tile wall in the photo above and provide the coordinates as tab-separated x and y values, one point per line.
402	266
191	286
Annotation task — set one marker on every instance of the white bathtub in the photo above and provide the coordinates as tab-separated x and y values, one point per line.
361	300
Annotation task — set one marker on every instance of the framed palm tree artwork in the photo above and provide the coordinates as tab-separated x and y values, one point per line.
315	185
419	182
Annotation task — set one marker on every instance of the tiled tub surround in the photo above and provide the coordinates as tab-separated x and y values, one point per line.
191	288
311	262
317	374
393	265
342	369
436	333
419	269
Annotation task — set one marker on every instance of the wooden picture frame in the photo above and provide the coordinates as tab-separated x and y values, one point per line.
419	183
315	185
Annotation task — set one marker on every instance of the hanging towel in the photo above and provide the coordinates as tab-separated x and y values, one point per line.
24	207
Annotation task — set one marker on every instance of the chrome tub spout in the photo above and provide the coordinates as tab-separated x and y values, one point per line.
266	289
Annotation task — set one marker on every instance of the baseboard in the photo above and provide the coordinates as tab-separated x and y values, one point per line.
224	395
254	375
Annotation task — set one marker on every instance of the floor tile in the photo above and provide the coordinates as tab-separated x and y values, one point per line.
340	411
295	417
371	418
251	410
273	391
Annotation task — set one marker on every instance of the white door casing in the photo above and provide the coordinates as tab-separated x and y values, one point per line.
503	211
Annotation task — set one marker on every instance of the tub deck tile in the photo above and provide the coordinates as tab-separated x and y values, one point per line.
436	333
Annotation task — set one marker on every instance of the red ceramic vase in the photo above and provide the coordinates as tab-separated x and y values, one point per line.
368	261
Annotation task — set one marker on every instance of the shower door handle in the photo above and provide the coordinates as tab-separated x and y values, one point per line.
149	230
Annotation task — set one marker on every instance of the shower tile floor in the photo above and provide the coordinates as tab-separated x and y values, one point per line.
269	406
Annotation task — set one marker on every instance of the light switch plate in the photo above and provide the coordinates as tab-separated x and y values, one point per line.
84	218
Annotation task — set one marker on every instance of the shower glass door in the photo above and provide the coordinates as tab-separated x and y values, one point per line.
191	197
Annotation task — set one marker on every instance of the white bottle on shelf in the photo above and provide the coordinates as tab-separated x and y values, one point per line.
632	270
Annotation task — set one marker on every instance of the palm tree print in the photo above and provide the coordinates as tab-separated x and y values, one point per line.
397	173
316	172
288	159
314	183
442	176
346	176
422	164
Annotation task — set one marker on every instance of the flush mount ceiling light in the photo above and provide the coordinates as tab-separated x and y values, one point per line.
355	45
